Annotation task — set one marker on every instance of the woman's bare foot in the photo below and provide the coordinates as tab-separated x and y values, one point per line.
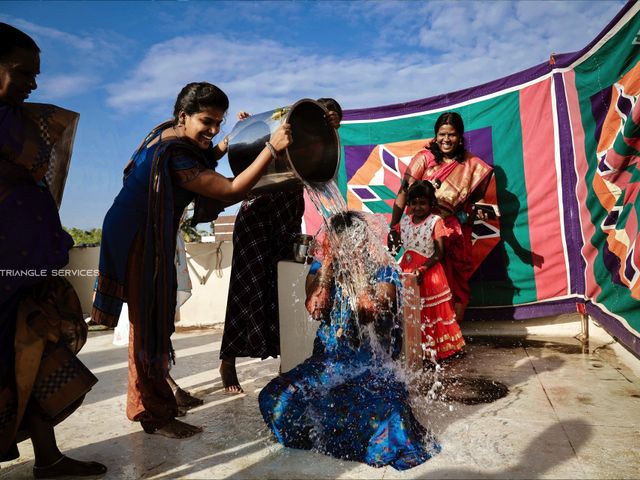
185	400
176	429
229	377
66	466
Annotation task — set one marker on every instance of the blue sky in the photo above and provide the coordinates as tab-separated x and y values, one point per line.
121	64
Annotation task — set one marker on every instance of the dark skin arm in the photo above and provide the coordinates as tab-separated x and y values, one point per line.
394	242
401	200
221	148
318	290
398	209
213	185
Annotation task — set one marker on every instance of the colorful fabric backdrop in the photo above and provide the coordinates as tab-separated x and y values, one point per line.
563	138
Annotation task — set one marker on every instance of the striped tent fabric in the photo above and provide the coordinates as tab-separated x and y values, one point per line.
563	138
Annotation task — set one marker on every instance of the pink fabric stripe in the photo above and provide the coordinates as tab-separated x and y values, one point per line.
588	230
542	195
312	219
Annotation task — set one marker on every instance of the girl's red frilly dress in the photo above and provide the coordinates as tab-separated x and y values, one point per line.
440	330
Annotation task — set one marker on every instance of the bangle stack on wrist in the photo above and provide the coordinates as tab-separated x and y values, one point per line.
271	148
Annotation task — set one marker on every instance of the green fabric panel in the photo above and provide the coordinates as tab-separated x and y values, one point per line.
378	206
611	61
383	192
341	179
600	71
502	114
386	131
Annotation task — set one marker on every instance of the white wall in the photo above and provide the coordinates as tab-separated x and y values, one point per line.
209	269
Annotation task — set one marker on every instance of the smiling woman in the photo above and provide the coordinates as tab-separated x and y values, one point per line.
174	164
460	179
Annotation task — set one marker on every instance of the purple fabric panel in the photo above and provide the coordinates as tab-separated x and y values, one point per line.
629	269
573	237
445	100
566	59
624	105
600	103
611	219
615	329
523	312
364	193
612	262
480	143
355	156
389	160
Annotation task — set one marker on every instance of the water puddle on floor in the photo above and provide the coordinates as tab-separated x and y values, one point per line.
471	391
461	389
508	342
467	380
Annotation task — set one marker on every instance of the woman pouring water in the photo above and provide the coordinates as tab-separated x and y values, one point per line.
264	233
173	165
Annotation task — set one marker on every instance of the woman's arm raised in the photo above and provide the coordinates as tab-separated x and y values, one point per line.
213	185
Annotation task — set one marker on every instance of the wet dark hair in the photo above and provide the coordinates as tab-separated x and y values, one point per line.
12	38
344	220
331	105
422	189
455	120
197	96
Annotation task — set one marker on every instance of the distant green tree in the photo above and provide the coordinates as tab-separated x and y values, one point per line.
85	237
189	232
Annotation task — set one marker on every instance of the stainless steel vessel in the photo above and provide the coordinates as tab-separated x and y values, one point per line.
313	156
301	248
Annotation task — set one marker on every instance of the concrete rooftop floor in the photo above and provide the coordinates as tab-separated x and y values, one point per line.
571	412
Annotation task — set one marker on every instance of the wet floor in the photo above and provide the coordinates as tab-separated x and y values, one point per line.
511	407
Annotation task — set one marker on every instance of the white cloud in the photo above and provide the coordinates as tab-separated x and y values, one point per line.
55	87
72	63
498	29
41	34
473	42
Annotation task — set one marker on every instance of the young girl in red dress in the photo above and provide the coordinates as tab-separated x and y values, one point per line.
421	234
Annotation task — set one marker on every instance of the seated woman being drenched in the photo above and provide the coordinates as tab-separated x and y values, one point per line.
345	400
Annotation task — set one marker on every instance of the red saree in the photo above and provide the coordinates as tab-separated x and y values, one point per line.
458	186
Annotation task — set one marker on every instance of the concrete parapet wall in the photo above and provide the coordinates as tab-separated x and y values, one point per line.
209	269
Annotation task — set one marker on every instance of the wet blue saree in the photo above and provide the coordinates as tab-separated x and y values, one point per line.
346	400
